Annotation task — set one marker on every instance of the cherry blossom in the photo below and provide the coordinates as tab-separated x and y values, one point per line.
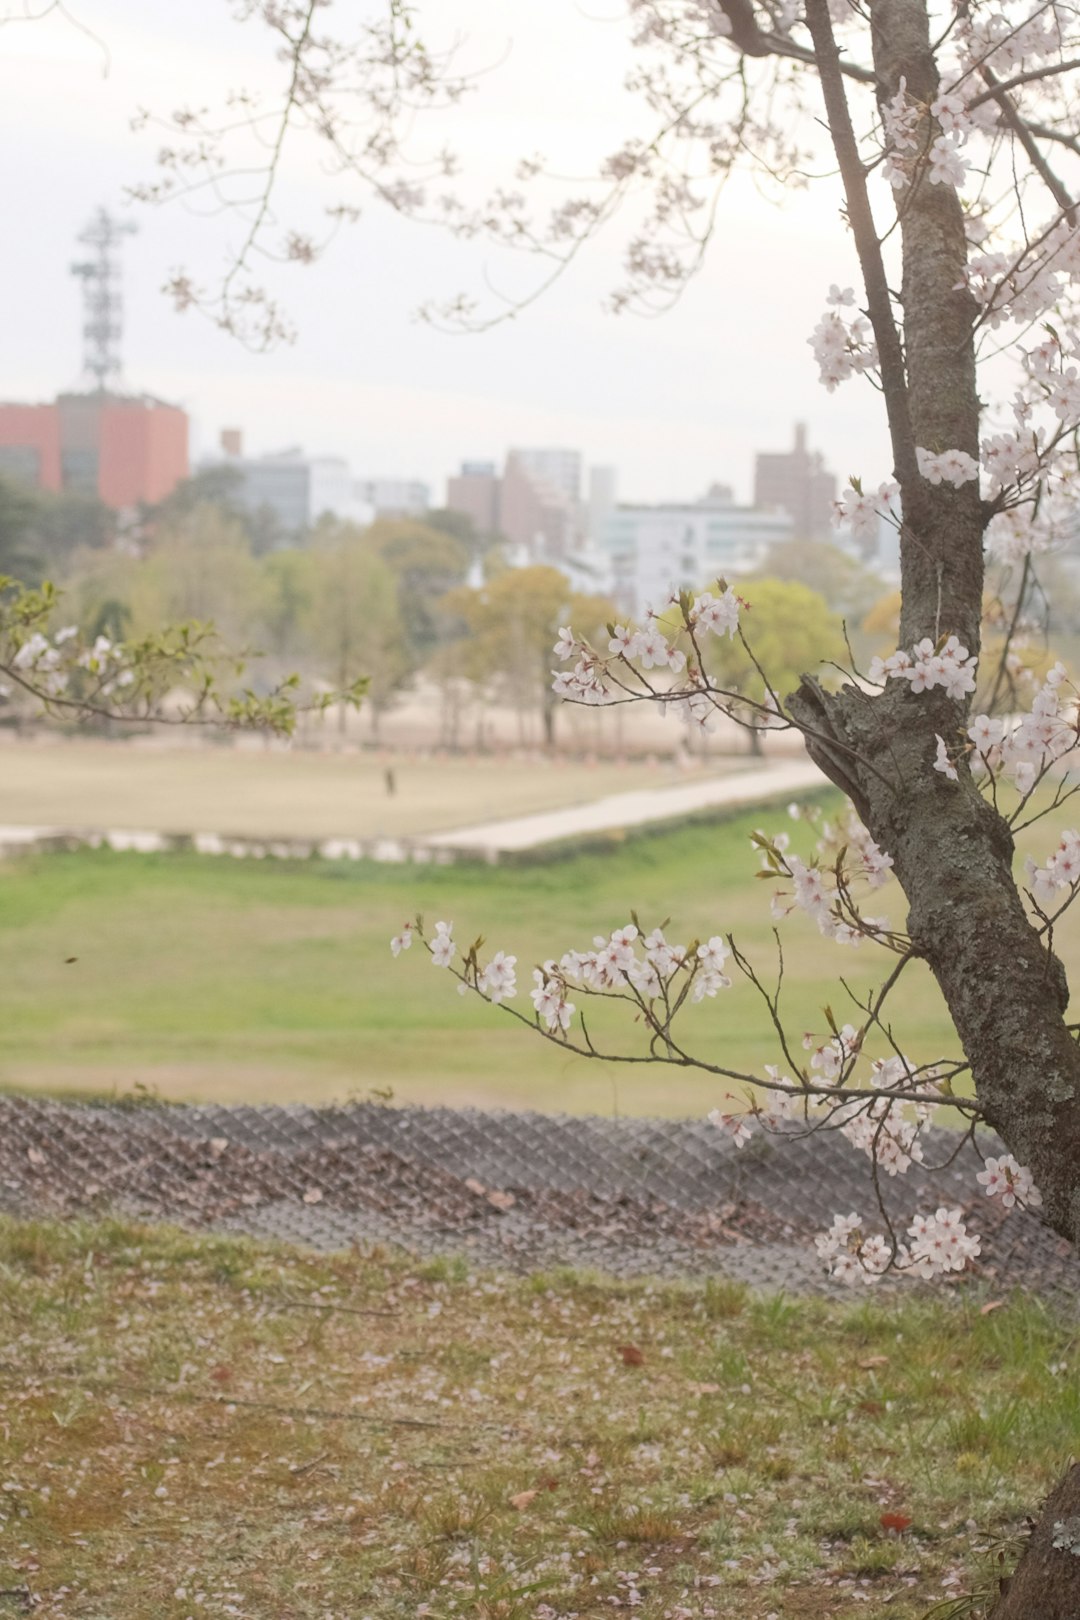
928	666
900	116
735	1126
941	1243
624	641
1061	871
986	733
954	467
947	167
942	762
442	946
713	954
1043	735
1009	1182
549	1000
498	981
402	941
717	614
862	511
842	348
843	1247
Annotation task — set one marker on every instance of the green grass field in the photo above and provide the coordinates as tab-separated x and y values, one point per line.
216	979
270	790
195	1426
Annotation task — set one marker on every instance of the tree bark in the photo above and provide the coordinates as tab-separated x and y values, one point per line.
1006	992
1046	1582
941	556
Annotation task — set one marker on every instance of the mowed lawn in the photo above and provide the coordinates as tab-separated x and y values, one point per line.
263	981
267	789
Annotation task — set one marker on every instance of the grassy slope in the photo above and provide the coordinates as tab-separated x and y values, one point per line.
237	980
198	1427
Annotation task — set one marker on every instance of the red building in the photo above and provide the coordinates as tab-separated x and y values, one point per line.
30	444
127	449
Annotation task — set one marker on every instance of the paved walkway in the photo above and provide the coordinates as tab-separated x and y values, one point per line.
638	809
490	841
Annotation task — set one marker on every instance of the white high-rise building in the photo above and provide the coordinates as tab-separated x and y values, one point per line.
603	484
653	550
298	489
394	497
332	489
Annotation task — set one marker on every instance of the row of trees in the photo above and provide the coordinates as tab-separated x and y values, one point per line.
395	599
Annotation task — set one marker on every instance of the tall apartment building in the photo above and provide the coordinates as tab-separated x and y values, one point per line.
797	482
534	505
539	518
128	449
653	550
475	492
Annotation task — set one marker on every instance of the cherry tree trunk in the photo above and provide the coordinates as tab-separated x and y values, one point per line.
953	853
1046	1582
1005	989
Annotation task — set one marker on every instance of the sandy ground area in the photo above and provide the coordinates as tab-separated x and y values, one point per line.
270	789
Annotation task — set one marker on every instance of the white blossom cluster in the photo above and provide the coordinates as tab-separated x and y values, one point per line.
842	347
904	122
996	37
50	663
890	1130
940	1243
816	885
953	467
549	1000
861	510
498	980
1016	533
599	677
948	665
832	1056
613	964
1024	751
1061	873
664	971
1010	1183
43	659
442	946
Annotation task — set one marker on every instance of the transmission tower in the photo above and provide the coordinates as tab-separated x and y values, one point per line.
102	303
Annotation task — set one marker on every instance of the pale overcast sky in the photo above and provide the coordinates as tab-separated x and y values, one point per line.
674	403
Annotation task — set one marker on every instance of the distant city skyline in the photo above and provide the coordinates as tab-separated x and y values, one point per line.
676	403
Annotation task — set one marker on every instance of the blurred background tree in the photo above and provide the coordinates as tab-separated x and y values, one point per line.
510	625
792	630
